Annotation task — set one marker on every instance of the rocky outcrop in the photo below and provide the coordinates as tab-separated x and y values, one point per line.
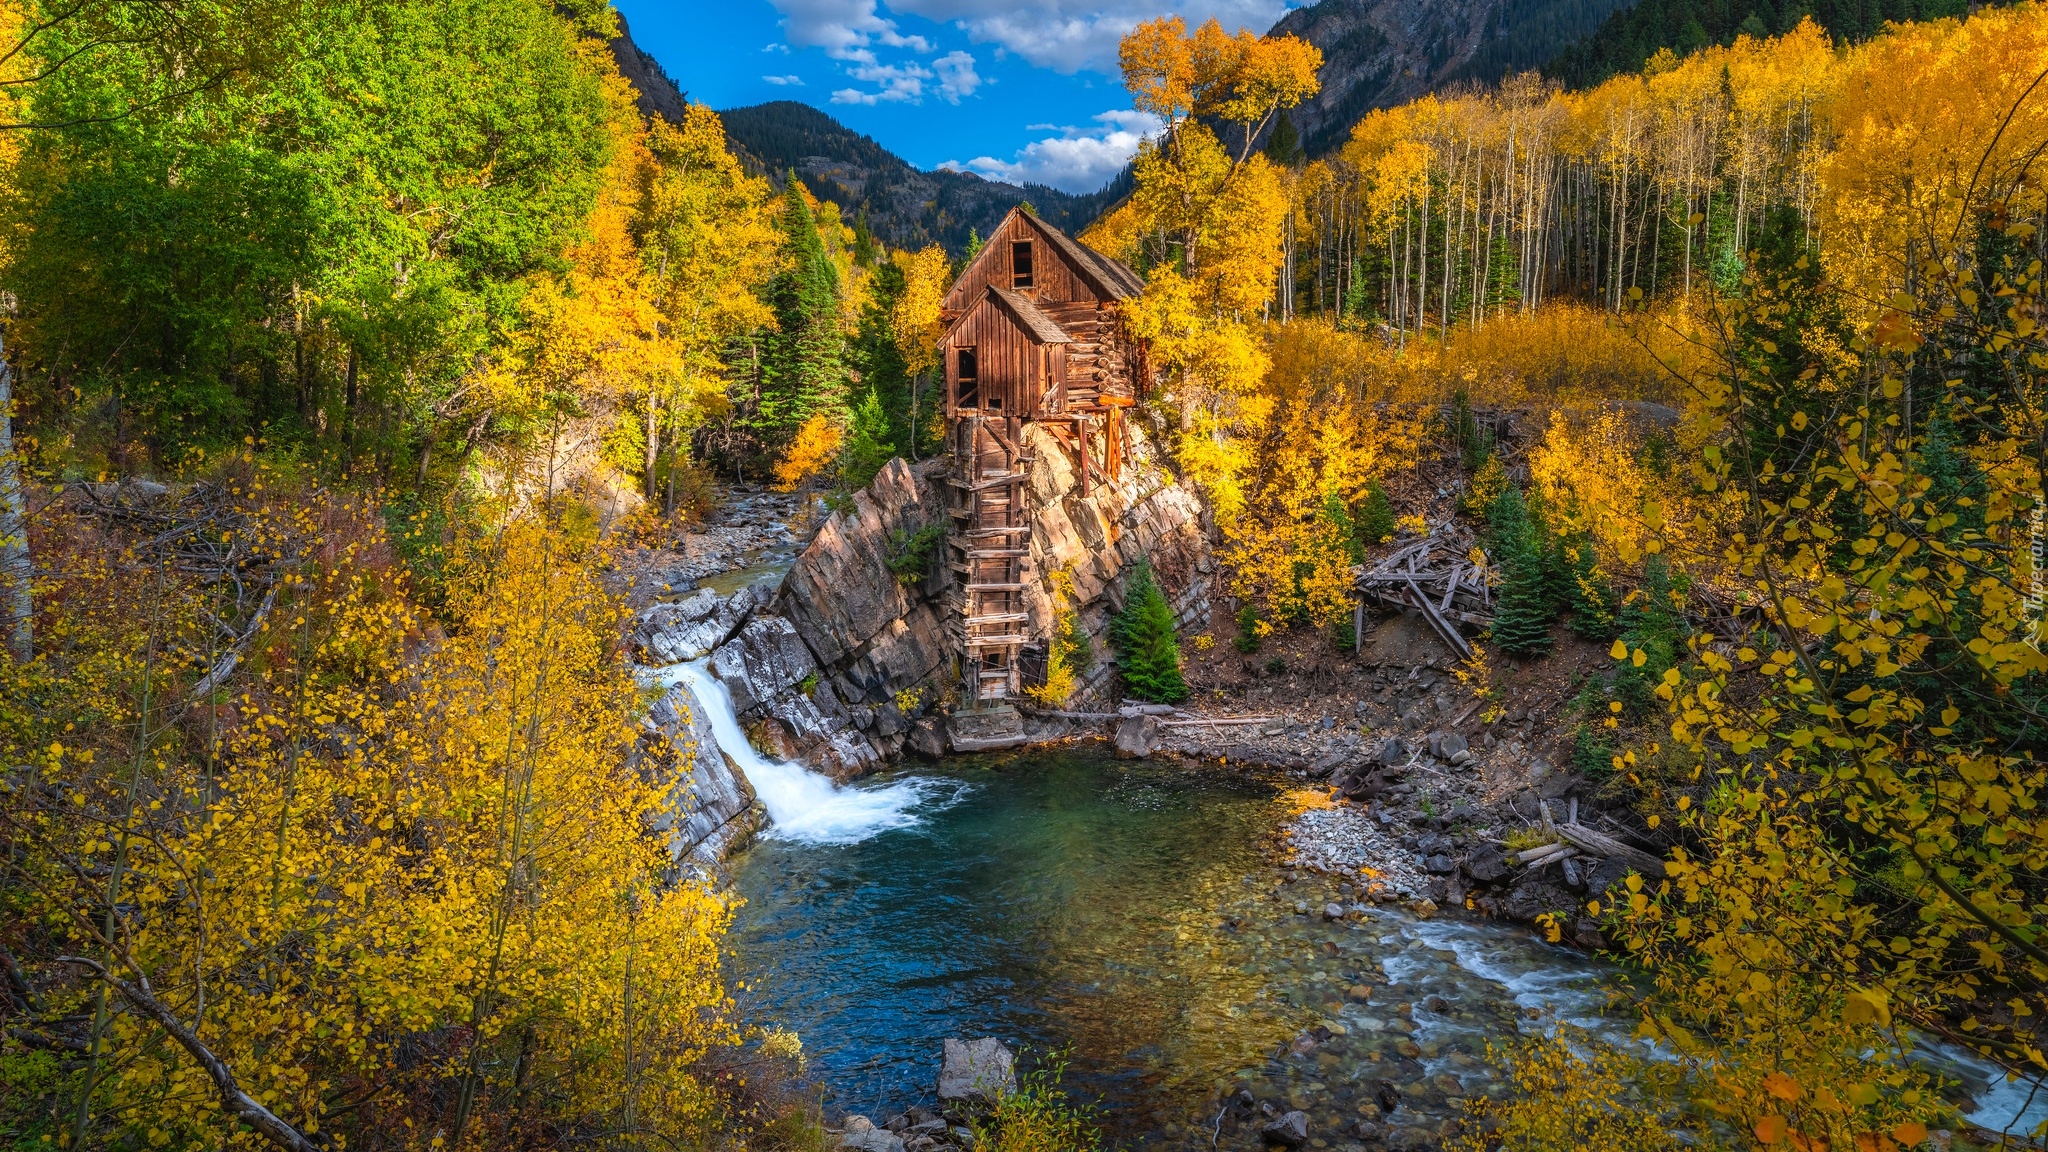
708	807
842	666
1145	515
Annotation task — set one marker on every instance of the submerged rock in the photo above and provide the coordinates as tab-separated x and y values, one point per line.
976	1070
1289	1129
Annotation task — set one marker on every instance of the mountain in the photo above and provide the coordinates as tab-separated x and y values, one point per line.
1380	53
905	207
1632	36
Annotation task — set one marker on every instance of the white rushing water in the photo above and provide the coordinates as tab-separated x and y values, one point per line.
802	804
1551	984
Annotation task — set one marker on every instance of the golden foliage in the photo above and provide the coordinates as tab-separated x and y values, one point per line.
811	453
1592	484
915	318
418	866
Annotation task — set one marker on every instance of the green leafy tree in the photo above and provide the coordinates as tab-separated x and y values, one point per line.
1375	517
1148	651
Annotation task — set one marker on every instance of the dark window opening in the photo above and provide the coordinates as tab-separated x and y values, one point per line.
969	393
1020	264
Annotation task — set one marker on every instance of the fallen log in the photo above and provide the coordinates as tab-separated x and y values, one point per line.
1601	844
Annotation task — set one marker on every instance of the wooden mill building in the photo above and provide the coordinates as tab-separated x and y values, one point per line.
1035	334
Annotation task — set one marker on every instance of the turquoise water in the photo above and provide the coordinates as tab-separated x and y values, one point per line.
1132	916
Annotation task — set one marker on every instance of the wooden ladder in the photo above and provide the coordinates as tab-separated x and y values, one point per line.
991	543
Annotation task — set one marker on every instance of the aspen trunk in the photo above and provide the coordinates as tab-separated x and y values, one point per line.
16	569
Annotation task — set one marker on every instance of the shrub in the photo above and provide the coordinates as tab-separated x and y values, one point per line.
1251	630
911	553
1148	652
1037	1117
1069	656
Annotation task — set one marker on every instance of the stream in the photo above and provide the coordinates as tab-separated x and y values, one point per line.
1129	915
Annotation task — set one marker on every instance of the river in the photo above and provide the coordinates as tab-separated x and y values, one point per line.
1131	916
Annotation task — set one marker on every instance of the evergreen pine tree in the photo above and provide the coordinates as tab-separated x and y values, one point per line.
868	446
1375	518
1589	596
1148	651
1283	145
803	373
1522	607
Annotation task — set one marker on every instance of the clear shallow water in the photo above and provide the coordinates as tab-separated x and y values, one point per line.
1129	914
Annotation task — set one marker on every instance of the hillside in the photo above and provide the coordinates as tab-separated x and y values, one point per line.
1379	53
906	207
1632	35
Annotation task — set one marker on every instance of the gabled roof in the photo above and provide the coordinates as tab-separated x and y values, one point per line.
1113	277
1036	323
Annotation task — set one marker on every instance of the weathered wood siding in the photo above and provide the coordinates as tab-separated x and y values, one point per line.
1010	365
1053	281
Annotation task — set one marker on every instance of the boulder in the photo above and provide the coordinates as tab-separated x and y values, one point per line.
871	1139
1603	876
1450	744
763	660
1137	737
1393	752
1486	863
689	628
976	1070
1333	911
1288	1128
1440	865
926	740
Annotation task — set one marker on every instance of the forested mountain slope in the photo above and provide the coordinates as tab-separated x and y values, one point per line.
1379	53
1634	34
905	207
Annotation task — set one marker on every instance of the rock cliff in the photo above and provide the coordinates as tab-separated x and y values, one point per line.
844	666
709	807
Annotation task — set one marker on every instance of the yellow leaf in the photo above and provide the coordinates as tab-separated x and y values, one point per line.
1910	1133
1619	651
1771	1129
1783	1087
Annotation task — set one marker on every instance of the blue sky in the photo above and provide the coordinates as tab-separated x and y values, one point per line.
1018	90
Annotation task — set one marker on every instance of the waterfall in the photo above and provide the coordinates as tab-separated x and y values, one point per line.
802	804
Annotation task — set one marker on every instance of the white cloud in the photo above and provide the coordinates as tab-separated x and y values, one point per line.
843	28
1071	35
900	84
785	81
782	48
1077	160
957	77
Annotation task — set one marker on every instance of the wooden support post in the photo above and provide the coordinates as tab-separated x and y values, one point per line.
1358	625
1081	438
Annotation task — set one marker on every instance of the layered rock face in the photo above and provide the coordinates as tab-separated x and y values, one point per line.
709	807
1146	515
840	666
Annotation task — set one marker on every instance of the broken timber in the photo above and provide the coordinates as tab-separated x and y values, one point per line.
1456	592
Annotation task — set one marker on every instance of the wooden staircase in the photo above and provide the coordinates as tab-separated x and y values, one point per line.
990	545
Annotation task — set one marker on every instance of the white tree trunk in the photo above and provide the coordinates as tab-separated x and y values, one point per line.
15	571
